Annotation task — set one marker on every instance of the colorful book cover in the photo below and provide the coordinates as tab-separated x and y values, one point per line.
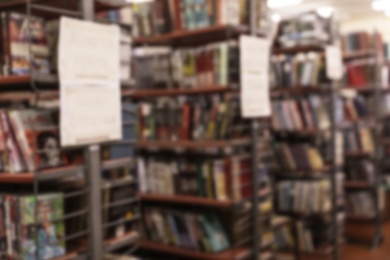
46	239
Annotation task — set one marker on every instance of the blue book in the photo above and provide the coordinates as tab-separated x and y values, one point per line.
125	149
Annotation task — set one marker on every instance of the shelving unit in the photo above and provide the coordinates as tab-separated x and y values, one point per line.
331	248
91	244
373	122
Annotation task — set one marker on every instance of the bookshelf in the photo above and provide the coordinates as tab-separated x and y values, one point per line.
307	150
159	149
77	182
371	88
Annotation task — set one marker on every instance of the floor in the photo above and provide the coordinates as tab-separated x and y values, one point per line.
359	252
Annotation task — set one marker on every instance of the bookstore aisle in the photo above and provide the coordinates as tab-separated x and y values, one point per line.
194	130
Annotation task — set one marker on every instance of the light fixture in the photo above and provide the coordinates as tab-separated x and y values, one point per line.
325	11
276	18
138	1
380	5
282	3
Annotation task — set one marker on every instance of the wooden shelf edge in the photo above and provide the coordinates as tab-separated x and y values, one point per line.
189	200
190	144
178	35
229	254
127	239
297	49
145	93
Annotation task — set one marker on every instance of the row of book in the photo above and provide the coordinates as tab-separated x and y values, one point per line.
299	114
21	237
306	29
191	118
214	64
298	157
361	73
360	170
16	41
197	231
356	108
220	179
299	70
361	41
360	205
304	197
161	17
358	139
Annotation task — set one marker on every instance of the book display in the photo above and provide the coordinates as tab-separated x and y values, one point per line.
202	187
367	81
308	147
48	202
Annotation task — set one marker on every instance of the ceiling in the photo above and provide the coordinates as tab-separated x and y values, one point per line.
345	9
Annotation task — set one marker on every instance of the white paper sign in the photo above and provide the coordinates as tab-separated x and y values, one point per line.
334	63
89	70
254	65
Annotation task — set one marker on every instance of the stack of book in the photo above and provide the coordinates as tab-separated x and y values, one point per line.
300	114
22	134
215	64
22	235
161	17
304	197
361	170
360	205
219	179
191	118
305	29
361	42
298	70
298	157
359	140
196	231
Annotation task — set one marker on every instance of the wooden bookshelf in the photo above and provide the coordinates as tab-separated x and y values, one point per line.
360	219
146	93
298	49
296	90
323	252
358	54
230	254
44	175
300	132
302	215
186	200
199	36
357	185
202	144
358	154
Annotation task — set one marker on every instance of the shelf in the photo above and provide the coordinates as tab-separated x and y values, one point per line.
314	177
357	154
280	91
203	144
357	185
118	243
146	93
186	200
358	54
230	254
298	49
117	163
198	36
301	132
44	175
301	215
302	174
322	251
360	219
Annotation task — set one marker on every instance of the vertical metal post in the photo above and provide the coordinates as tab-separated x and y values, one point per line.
93	172
93	168
255	165
377	153
332	92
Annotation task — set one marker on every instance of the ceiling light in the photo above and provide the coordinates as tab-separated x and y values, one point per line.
325	11
276	18
380	5
282	3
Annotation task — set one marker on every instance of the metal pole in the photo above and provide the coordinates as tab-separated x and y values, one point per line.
93	174
255	165
93	168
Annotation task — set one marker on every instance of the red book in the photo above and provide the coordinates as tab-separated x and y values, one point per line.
186	117
355	77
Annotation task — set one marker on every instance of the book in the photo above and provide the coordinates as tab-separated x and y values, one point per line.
195	231
35	131
18	57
